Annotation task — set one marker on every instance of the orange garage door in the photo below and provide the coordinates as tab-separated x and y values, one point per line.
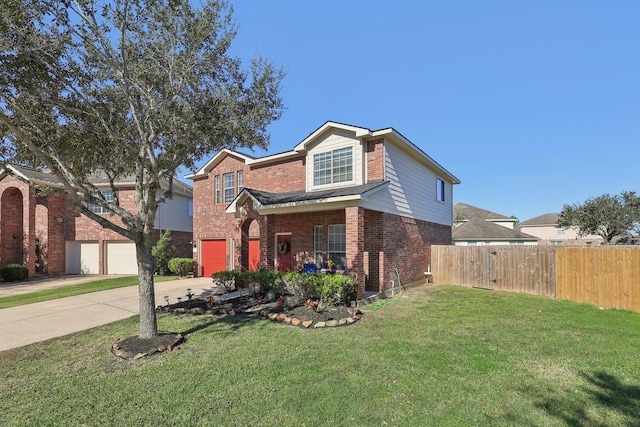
213	257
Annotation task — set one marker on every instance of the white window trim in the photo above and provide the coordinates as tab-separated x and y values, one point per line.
441	190
311	166
318	244
228	190
217	196
329	251
97	209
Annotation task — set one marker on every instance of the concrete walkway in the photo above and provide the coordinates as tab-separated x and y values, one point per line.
41	321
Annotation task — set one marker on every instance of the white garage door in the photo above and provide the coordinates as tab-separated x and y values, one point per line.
121	258
82	257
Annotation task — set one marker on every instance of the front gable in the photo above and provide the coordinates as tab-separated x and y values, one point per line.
334	159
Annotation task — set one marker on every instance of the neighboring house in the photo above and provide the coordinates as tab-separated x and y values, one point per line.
479	232
546	228
463	212
43	230
370	201
474	226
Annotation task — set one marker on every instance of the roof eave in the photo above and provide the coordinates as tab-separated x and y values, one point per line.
392	134
330	203
359	132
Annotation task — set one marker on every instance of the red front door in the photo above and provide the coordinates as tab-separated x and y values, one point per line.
254	254
284	253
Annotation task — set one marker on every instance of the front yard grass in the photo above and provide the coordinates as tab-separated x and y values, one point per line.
439	355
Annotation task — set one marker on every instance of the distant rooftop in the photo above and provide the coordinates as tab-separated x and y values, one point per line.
480	229
549	219
465	211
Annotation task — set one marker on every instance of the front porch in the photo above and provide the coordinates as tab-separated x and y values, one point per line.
289	241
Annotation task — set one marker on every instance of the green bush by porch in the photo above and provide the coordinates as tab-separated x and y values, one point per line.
14	272
330	288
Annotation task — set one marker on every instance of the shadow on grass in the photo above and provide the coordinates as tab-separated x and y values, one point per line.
605	396
231	324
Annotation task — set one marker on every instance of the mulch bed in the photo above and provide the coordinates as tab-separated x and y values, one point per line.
133	348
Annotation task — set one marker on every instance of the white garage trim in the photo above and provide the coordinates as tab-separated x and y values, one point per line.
82	257
120	258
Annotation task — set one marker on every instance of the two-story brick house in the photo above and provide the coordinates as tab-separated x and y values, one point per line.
43	231
370	201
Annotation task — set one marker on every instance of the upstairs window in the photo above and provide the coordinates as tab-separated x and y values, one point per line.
333	166
108	196
240	181
228	187
217	188
439	190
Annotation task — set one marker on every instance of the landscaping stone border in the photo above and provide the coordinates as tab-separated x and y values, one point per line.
307	324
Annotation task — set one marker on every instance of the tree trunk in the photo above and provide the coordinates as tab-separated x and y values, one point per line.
146	293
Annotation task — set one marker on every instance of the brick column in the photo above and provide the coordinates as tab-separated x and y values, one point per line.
29	235
55	236
267	239
354	218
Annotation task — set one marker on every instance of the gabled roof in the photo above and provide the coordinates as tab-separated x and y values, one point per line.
467	212
303	200
32	176
480	229
44	178
300	149
221	155
549	220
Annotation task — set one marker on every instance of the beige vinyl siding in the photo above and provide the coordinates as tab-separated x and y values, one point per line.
174	215
412	190
334	141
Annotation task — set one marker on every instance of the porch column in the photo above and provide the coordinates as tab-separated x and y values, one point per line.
29	230
354	218
55	237
267	241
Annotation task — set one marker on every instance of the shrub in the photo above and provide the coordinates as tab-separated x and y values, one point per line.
163	251
226	278
266	280
182	266
337	288
14	272
329	288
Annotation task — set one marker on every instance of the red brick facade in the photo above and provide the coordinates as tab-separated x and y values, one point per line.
376	242
34	228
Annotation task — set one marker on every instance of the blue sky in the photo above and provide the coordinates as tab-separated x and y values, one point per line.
531	104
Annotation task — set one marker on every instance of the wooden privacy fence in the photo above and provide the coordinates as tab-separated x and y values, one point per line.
606	276
524	269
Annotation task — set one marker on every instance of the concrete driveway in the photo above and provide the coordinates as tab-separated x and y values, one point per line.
37	322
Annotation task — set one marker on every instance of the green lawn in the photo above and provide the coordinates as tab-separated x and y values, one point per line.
440	355
69	291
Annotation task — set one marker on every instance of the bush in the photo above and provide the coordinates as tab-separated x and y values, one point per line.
163	251
337	288
333	289
182	266
228	279
14	272
266	280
